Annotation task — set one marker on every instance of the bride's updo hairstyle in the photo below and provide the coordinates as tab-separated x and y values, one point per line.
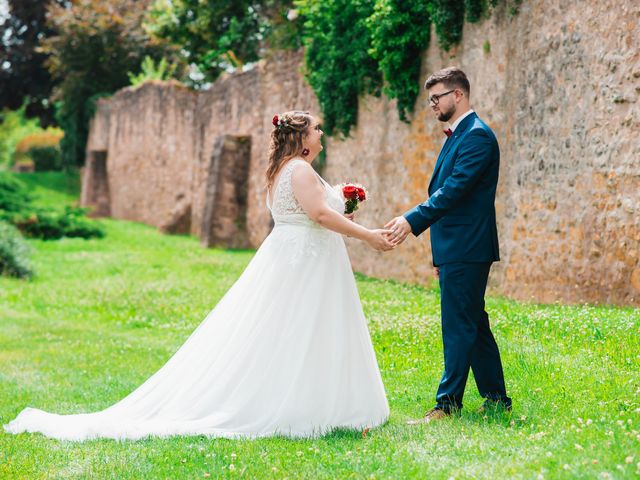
289	129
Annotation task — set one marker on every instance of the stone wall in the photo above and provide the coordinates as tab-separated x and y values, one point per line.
559	85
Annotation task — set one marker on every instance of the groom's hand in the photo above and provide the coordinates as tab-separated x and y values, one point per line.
400	228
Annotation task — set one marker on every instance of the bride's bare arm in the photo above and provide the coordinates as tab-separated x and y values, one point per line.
310	195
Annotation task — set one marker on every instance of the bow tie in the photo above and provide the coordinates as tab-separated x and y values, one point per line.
448	132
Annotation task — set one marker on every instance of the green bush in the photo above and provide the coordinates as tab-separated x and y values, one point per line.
16	207
45	159
14	125
52	225
14	196
14	253
42	148
150	70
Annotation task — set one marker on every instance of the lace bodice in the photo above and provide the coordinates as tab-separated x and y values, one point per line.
284	201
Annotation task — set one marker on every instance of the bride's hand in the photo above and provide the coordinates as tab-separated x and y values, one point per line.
378	239
350	216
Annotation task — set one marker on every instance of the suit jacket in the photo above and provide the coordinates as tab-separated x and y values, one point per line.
461	205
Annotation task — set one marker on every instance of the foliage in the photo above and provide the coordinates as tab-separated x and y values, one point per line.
448	19
23	75
400	31
43	148
52	225
284	25
97	43
339	67
116	310
215	33
14	196
349	44
149	70
17	207
219	35
14	125
475	9
14	253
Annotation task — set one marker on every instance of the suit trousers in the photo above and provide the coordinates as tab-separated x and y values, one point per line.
467	338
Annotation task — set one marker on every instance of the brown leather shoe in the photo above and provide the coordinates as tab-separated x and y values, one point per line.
433	415
490	406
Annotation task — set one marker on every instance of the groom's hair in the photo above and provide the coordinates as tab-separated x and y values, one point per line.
451	77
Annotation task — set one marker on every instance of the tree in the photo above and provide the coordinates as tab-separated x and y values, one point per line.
217	35
22	70
96	44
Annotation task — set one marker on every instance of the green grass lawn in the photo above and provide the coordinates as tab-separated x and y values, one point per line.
102	315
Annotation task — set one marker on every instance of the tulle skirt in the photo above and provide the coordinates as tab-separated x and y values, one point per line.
285	352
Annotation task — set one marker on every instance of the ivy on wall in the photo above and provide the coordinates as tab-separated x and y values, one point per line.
400	31
359	46
338	65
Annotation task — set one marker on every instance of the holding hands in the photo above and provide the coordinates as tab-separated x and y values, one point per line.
399	228
387	238
378	239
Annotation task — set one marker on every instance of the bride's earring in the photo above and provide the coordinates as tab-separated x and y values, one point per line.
305	152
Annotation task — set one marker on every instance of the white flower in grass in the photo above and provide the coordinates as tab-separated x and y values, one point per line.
232	467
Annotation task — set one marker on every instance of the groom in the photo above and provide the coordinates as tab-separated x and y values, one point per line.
464	242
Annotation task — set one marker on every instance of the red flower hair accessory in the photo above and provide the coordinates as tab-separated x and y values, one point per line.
279	122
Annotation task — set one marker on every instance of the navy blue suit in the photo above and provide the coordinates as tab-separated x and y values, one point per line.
464	242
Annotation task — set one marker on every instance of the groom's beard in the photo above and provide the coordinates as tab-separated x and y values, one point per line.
445	116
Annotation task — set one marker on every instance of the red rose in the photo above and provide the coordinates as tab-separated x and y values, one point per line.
362	195
275	120
350	192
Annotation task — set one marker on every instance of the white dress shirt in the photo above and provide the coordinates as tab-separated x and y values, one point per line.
460	118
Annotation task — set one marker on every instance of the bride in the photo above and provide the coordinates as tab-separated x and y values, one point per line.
285	352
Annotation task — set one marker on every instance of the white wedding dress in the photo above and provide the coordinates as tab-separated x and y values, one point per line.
285	352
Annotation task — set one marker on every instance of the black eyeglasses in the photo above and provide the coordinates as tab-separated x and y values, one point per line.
435	99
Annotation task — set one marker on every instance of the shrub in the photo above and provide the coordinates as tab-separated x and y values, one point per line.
17	208
13	126
14	196
43	148
14	253
149	70
52	225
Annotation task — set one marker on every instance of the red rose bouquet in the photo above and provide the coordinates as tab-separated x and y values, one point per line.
353	194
